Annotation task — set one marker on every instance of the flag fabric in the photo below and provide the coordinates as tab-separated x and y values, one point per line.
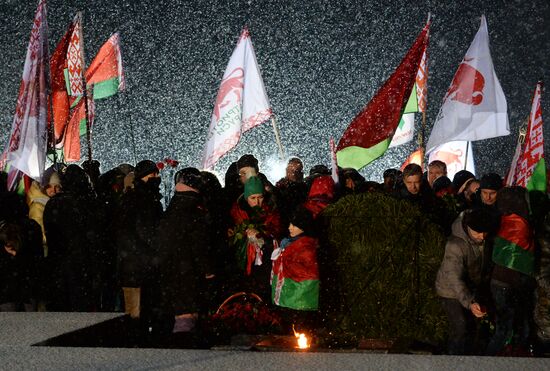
75	59
333	162
531	167
28	140
457	155
295	274
474	107
370	133
417	157
422	81
404	132
241	103
104	78
61	101
511	175
514	246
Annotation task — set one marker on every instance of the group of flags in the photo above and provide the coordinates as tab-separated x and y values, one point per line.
55	105
474	107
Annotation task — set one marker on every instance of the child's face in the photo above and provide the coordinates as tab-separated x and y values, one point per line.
294	231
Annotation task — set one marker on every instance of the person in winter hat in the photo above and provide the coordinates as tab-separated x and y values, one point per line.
182	263
295	275
136	222
255	226
460	276
489	186
247	166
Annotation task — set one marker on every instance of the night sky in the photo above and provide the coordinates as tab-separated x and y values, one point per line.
321	62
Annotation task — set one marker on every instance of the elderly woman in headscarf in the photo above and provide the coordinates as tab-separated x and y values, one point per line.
256	227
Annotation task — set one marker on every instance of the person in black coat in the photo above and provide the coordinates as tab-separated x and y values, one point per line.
182	252
137	219
72	222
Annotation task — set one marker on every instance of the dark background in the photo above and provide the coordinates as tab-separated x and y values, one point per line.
321	61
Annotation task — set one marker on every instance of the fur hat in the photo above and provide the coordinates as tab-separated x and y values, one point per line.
189	176
253	186
460	178
303	219
247	161
490	181
144	168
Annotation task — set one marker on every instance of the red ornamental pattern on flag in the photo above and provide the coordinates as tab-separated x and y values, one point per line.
75	58
241	103
28	139
534	142
422	82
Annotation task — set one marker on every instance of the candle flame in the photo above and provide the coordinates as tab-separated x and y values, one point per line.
301	338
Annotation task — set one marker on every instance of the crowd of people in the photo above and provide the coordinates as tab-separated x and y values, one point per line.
79	240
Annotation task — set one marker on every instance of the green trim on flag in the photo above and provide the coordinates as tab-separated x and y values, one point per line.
510	255
82	128
302	295
537	181
358	157
67	85
107	88
412	103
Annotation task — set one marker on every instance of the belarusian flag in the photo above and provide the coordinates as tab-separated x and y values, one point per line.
60	98
531	170
514	246
474	107
26	151
105	75
295	275
370	133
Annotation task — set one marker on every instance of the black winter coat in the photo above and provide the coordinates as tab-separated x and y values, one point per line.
137	219
182	245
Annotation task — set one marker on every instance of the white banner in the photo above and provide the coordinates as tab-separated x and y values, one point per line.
474	107
455	155
241	103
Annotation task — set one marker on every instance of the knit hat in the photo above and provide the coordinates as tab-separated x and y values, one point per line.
480	220
318	170
441	183
491	181
144	168
247	161
189	176
303	219
253	186
460	178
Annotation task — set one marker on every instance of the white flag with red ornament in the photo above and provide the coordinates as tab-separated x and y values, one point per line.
75	59
27	146
531	169
241	104
511	175
474	107
457	155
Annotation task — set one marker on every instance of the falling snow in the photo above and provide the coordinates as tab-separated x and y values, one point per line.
321	61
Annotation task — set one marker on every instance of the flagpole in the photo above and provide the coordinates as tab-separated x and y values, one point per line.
466	156
278	138
85	90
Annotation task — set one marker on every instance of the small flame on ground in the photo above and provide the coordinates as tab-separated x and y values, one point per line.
303	342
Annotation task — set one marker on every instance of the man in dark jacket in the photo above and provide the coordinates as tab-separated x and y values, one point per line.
460	275
182	252
72	222
138	217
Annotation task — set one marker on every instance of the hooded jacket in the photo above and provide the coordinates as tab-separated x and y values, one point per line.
461	269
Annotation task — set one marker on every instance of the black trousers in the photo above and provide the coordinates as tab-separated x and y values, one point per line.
461	327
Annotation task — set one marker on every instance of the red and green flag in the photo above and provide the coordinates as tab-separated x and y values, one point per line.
514	246
531	168
104	78
295	275
371	131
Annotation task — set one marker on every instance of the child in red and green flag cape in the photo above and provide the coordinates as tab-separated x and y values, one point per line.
295	273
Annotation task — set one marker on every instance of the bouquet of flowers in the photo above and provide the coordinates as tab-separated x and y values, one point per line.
244	313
